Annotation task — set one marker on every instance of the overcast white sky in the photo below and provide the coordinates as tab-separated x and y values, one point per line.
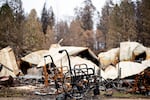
61	8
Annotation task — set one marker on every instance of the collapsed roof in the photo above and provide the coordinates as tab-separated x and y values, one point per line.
83	55
129	50
35	57
78	55
131	57
127	68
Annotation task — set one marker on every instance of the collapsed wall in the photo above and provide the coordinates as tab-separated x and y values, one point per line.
8	62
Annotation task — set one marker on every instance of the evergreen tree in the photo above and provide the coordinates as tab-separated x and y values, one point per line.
19	26
62	32
114	32
11	27
33	37
139	21
103	24
128	19
6	26
76	33
85	14
121	24
47	18
144	22
51	18
44	19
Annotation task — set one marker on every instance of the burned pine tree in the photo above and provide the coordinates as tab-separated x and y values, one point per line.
47	18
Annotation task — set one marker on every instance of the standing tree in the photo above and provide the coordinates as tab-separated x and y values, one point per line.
51	18
114	32
144	22
62	32
48	21
120	25
128	19
44	19
47	18
19	26
11	28
7	25
103	26
85	14
139	21
33	37
76	33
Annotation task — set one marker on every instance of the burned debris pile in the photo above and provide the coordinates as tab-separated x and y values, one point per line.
128	63
76	72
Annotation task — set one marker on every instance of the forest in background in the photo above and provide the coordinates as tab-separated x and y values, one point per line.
125	21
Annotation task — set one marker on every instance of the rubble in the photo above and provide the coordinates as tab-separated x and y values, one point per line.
77	72
8	63
128	57
6	81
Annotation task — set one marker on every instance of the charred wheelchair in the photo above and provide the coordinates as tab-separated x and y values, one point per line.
78	82
81	79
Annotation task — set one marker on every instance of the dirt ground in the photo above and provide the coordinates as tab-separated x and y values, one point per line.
29	94
51	98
